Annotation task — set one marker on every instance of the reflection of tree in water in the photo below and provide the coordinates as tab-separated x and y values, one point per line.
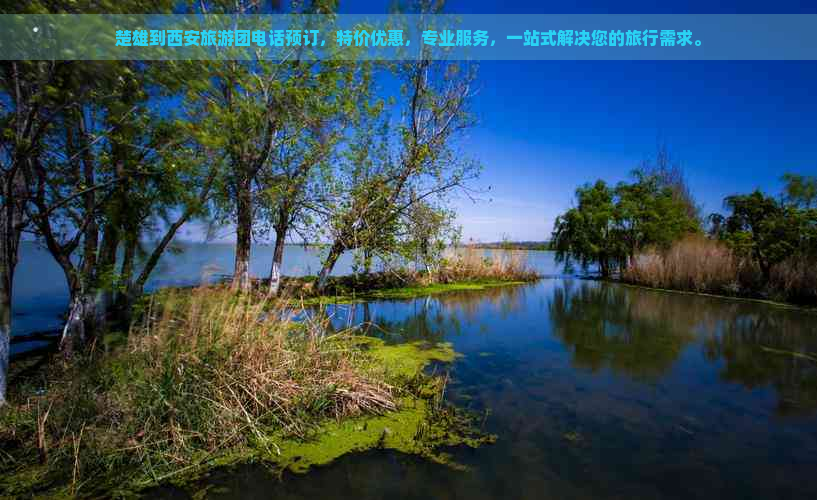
764	349
635	334
641	332
434	317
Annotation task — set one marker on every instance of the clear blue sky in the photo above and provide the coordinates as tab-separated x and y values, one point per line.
546	127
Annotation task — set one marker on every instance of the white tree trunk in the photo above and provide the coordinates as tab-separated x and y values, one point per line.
274	279
73	333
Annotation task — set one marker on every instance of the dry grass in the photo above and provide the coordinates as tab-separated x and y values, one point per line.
694	263
700	264
205	372
250	364
475	264
796	279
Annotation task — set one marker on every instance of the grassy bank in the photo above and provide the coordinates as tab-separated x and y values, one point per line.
208	379
701	265
468	268
351	292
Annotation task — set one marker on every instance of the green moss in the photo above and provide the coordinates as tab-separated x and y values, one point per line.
403	293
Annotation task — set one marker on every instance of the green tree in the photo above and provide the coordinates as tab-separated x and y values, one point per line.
382	179
427	231
327	97
585	233
609	226
801	190
761	228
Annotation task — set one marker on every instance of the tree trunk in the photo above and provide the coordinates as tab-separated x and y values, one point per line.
78	325
12	197
329	264
277	261
241	273
5	339
604	264
104	275
124	301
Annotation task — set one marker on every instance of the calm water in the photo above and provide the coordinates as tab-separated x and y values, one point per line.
41	295
594	390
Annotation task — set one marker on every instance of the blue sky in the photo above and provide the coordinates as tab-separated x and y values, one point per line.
546	127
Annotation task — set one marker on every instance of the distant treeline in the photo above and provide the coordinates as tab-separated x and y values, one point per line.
514	245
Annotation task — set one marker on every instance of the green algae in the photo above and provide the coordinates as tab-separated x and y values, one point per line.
421	425
403	293
406	359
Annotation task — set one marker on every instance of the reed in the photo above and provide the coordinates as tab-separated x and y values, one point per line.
206	371
474	264
700	264
694	263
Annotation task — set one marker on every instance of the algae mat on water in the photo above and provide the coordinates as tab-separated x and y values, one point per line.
404	293
421	425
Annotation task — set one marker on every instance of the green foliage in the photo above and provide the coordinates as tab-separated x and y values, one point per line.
769	231
610	225
801	190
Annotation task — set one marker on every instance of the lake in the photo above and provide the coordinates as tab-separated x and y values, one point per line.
40	293
594	390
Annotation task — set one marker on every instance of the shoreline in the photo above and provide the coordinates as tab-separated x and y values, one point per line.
768	302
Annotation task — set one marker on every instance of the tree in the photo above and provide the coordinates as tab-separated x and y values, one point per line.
79	184
378	184
37	96
428	231
760	227
648	212
27	116
611	225
769	231
801	190
668	173
585	233
291	183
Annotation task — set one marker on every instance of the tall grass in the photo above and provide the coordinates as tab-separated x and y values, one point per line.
474	264
694	263
206	371
700	264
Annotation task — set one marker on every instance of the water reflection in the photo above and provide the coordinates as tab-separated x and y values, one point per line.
637	334
769	349
597	391
633	332
430	318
